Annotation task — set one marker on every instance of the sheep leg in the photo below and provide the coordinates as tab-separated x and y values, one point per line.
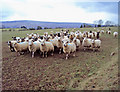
84	48
60	51
18	53
46	54
22	53
43	55
67	56
73	54
52	53
32	54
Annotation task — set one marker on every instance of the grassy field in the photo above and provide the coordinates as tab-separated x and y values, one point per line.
88	70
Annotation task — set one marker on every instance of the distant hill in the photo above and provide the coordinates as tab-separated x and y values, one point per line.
34	24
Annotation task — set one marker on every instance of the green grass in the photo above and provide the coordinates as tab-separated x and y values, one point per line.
8	34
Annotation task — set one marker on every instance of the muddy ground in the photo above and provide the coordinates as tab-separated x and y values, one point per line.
88	70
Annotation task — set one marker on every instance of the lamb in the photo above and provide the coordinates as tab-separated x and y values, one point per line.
20	47
45	47
69	48
33	47
87	43
96	44
115	34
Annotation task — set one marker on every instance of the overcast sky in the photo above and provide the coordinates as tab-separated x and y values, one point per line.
59	10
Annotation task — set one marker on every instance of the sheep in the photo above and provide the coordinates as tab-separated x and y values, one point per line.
84	35
45	47
87	43
69	48
16	38
66	38
79	36
115	34
71	37
51	36
20	47
33	47
45	33
90	35
29	36
11	45
102	31
109	32
96	44
98	35
53	41
94	35
77	42
59	44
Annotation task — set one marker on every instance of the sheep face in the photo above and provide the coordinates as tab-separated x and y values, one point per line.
30	42
77	36
59	39
42	42
74	40
65	43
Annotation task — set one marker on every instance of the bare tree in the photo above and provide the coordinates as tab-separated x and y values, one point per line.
109	23
98	22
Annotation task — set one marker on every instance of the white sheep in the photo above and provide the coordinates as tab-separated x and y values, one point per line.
109	32
94	34
66	39
102	31
69	48
29	36
16	38
87	43
90	35
19	47
77	42
11	45
54	41
59	44
115	34
34	46
45	47
96	44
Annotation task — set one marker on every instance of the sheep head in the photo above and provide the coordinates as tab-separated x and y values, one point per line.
42	42
65	43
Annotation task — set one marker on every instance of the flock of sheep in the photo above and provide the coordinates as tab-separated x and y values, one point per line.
65	41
